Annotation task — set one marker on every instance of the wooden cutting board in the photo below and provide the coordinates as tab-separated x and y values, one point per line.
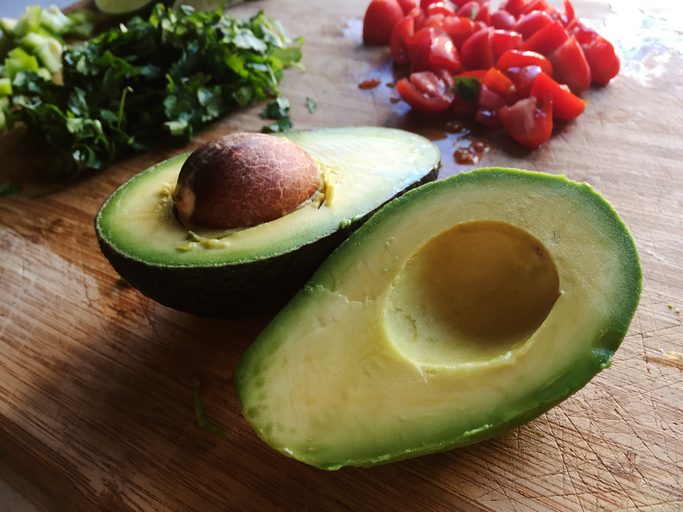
96	407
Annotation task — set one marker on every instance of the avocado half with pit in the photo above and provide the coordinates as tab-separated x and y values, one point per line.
241	272
459	311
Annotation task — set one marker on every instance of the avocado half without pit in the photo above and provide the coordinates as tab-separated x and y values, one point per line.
250	217
460	310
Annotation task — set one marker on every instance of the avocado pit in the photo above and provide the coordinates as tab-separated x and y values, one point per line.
243	180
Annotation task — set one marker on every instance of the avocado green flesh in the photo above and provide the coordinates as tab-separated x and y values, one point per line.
462	309
364	167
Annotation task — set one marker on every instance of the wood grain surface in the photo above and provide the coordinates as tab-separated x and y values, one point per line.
96	407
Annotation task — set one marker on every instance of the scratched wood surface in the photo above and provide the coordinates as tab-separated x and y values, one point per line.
96	380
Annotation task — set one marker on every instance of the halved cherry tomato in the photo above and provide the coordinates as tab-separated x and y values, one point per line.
518	58
440	8
519	7
443	54
476	10
476	51
403	30
529	24
407	5
602	60
499	83
419	40
565	104
546	40
426	91
504	40
529	121
502	20
523	77
379	21
583	33
459	29
570	66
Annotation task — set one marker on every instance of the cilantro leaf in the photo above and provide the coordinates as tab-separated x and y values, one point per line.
467	87
311	104
7	189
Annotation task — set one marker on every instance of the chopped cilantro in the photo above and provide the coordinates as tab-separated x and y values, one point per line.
199	413
152	82
311	104
7	189
467	87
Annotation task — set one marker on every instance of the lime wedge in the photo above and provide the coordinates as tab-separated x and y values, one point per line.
121	7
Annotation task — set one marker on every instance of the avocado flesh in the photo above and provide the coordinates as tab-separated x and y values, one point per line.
461	310
242	272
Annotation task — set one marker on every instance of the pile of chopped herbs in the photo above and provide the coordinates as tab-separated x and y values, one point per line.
151	82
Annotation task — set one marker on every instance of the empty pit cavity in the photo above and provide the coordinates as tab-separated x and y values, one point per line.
471	294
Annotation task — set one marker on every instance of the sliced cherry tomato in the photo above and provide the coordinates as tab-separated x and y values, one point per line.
407	5
476	11
379	21
602	60
523	77
568	12
502	20
443	54
420	38
487	118
434	21
565	104
499	83
517	58
504	40
403	31
441	8
424	4
426	91
519	7
459	29
419	16
570	66
529	24
534	5
476	51
529	121
546	40
583	33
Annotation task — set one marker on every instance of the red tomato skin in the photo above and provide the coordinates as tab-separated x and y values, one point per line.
502	20
570	66
444	55
459	29
565	104
529	24
499	83
504	40
524	78
547	39
379	21
602	60
476	51
534	5
440	8
403	30
529	121
419	55
488	118
518	59
407	5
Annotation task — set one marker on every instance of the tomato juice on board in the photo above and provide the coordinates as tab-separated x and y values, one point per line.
518	67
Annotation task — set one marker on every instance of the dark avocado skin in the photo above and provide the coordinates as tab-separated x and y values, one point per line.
236	290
